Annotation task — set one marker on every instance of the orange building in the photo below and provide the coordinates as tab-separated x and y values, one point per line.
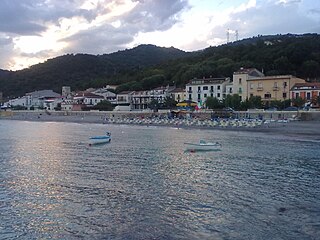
307	91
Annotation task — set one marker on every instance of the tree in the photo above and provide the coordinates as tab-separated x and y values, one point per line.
232	101
169	102
154	105
213	103
103	106
255	102
298	102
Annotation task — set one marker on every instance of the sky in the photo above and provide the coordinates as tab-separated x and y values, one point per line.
32	31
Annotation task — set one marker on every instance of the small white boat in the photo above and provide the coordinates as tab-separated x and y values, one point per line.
100	139
203	146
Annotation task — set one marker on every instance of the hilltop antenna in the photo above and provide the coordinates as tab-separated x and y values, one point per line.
228	35
237	35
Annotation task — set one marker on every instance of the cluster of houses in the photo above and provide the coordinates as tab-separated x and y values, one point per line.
245	83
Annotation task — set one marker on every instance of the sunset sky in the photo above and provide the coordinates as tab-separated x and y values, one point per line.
32	31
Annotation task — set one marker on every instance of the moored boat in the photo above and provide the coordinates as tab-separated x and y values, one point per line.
203	146
100	139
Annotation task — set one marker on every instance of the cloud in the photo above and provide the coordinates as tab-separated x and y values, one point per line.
119	31
36	29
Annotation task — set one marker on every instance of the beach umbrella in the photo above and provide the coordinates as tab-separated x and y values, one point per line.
186	103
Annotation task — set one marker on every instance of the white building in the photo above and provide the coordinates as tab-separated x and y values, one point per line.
198	90
106	94
87	98
125	99
46	99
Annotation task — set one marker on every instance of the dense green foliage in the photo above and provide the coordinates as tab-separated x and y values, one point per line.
147	66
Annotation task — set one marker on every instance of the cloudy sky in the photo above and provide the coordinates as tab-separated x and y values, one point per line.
32	31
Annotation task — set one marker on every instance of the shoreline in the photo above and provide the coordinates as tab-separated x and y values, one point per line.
305	129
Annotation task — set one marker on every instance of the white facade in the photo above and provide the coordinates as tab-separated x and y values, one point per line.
198	90
106	94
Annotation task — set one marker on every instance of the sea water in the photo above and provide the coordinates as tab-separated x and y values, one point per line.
143	185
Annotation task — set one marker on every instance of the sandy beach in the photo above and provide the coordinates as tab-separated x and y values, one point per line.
299	129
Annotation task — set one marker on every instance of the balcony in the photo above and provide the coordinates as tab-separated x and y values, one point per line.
189	91
275	88
259	88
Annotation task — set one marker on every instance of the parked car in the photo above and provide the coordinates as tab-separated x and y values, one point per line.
272	109
291	109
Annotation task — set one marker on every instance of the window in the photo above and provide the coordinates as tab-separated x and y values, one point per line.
267	95
284	95
211	88
297	95
308	95
240	90
199	96
251	94
275	84
218	87
251	85
211	95
240	80
284	84
190	97
205	95
199	88
205	87
260	85
218	95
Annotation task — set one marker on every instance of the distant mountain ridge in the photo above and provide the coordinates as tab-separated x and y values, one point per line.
147	66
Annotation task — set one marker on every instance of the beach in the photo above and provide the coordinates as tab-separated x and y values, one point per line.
305	129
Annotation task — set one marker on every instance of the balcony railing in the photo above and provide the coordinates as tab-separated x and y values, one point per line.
259	88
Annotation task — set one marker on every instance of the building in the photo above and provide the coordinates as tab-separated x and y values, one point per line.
240	81
66	92
251	82
45	99
106	94
198	90
87	98
124	98
310	92
178	94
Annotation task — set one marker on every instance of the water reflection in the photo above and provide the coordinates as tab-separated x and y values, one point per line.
144	186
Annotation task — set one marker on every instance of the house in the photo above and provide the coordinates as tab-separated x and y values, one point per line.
125	99
141	99
310	92
87	98
106	94
178	94
251	82
198	90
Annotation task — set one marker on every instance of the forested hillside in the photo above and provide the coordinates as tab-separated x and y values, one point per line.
148	66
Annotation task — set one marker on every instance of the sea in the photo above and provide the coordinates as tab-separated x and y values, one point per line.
144	185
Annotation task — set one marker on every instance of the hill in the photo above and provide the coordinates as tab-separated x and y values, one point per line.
81	71
149	66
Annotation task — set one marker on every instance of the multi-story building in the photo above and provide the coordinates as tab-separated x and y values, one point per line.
251	82
87	98
310	92
124	99
178	94
198	90
240	81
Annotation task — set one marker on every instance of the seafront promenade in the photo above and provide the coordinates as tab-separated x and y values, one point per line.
287	123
